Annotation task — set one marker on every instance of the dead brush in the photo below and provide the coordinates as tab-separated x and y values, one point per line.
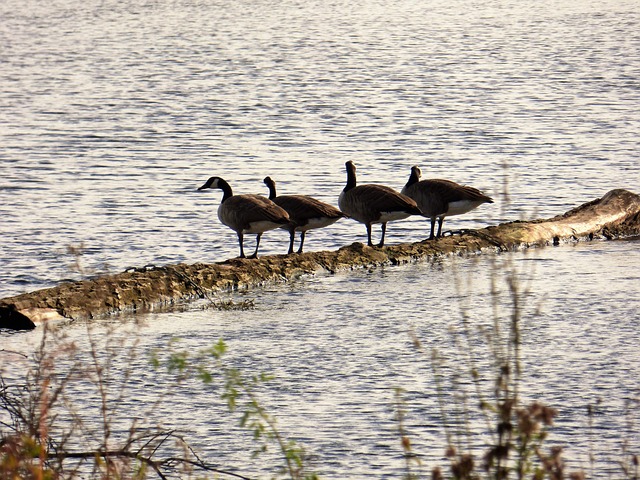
488	373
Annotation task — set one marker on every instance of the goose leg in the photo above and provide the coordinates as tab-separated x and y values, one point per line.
433	227
255	254
292	237
440	222
384	230
240	242
302	235
369	235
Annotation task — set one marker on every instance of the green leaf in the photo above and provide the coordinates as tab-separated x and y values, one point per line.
204	375
219	349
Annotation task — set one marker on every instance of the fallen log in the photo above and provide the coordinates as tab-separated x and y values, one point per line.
615	215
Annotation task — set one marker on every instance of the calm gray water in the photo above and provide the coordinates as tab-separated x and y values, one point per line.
113	113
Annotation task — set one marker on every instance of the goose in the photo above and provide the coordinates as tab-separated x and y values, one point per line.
441	198
372	203
247	213
304	212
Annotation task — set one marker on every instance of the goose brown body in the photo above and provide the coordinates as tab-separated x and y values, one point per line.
247	213
305	213
373	203
439	198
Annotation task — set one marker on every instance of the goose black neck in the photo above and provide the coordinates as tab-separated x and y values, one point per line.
226	190
271	185
351	177
413	178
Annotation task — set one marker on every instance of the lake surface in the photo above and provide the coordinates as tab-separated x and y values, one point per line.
113	113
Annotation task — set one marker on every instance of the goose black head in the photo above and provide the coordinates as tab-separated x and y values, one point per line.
271	185
415	176
213	182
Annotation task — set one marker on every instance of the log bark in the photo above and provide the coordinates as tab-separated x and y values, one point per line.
615	215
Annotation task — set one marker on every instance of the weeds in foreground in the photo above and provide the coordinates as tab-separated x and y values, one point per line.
240	393
482	386
46	434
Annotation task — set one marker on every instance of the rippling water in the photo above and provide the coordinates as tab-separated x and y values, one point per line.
339	345
113	113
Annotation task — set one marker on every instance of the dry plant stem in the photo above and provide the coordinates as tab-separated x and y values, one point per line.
468	349
405	441
30	406
41	451
157	465
435	364
590	415
630	463
504	348
238	387
276	433
99	380
102	358
258	409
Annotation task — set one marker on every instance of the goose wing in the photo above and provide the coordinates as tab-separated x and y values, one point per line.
436	196
385	199
243	210
367	202
454	192
303	207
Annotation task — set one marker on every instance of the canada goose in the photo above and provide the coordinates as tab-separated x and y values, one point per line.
374	203
441	198
305	213
247	213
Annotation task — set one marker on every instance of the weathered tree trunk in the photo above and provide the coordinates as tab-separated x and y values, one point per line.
616	214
